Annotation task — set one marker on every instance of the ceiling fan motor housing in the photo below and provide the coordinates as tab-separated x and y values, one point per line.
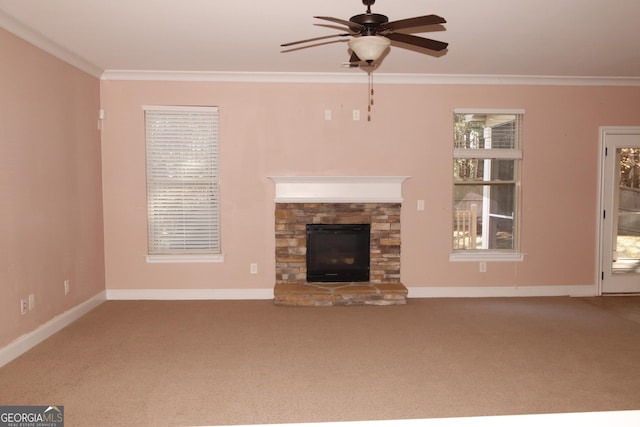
371	22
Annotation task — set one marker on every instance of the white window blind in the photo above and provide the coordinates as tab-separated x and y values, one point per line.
183	188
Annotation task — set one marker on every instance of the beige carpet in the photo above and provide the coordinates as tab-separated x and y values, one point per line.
176	363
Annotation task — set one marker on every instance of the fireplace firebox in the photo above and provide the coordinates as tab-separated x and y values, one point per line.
338	252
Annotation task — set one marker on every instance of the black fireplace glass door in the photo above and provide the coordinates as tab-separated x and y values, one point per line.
338	252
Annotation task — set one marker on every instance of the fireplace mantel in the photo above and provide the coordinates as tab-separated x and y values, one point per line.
338	189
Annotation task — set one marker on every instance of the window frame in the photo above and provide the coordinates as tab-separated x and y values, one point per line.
516	154
213	255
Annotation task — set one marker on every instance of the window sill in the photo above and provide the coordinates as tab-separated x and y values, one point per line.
486	256
191	258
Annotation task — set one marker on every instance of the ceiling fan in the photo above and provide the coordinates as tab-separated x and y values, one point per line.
371	34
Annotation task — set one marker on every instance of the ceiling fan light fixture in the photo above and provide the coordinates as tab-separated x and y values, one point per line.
369	48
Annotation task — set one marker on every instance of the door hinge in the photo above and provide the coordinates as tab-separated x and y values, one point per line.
602	275
604	214
606	151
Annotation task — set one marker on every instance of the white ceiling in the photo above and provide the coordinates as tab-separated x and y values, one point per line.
569	38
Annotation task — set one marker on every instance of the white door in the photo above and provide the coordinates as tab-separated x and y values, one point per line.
620	221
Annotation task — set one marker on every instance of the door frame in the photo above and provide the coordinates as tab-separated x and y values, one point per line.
604	132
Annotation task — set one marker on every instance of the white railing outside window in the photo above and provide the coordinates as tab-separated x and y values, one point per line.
487	157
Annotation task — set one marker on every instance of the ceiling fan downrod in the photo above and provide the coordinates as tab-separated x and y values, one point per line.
368	3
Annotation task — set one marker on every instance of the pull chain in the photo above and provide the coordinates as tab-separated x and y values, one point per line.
370	97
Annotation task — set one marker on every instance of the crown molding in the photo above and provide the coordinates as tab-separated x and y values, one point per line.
361	77
38	40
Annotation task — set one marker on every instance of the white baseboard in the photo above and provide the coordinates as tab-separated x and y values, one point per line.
44	331
414	292
501	291
189	294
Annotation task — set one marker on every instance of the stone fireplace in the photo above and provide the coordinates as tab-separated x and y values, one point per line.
301	201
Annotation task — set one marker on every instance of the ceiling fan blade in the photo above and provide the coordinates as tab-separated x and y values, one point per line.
349	24
354	58
314	39
417	41
418	21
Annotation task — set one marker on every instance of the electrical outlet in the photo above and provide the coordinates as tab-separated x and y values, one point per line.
23	306
32	301
483	267
67	286
253	269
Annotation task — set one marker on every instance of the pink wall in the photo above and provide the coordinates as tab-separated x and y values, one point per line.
279	129
50	187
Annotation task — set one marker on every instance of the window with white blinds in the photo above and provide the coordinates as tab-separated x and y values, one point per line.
183	185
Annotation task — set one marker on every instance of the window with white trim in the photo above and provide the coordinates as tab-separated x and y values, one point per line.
183	183
487	157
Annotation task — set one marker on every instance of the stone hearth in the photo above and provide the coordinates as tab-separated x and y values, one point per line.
338	200
301	294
